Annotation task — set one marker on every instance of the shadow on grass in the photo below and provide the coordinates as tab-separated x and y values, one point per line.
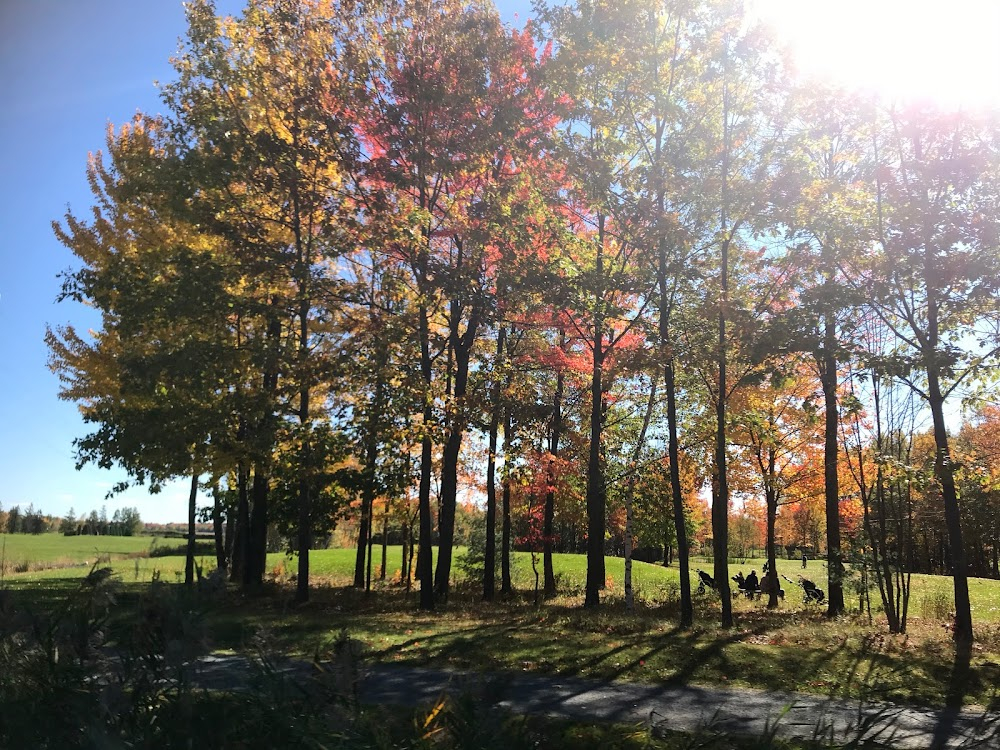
770	650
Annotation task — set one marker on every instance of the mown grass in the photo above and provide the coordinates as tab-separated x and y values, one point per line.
31	553
654	585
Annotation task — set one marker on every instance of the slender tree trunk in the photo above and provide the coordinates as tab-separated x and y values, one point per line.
241	535
720	499
506	585
257	556
425	571
409	555
305	505
630	493
404	568
550	495
831	449
596	490
371	543
256	559
192	530
882	551
303	272
360	552
385	542
221	561
490	556
944	471
771	498
943	465
368	489
677	494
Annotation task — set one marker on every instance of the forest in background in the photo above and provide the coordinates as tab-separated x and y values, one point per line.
601	267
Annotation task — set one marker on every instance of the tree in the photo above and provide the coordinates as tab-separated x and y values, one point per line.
458	116
829	223
778	429
148	379
879	447
68	524
600	280
936	277
979	446
259	105
738	190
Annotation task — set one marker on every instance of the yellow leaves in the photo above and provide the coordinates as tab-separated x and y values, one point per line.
430	726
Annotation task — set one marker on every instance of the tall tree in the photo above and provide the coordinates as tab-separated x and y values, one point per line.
936	277
148	379
738	175
777	426
601	280
459	116
261	100
829	223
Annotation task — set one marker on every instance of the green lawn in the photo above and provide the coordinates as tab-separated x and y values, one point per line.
654	584
19	552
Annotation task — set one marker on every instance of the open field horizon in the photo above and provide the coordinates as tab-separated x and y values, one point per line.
138	559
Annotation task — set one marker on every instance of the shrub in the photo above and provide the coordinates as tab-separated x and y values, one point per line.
472	565
936	606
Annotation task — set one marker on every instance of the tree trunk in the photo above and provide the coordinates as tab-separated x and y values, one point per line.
241	536
490	555
409	555
192	530
506	585
771	498
720	496
385	542
596	490
221	562
305	501
425	571
630	493
944	471
677	495
462	345
256	559
257	553
550	496
831	449
303	273
360	552
371	542
368	489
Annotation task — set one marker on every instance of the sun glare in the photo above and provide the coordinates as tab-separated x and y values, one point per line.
944	50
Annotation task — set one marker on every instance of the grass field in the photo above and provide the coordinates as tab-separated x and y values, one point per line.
32	552
930	599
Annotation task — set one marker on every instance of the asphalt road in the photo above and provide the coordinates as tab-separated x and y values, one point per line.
733	711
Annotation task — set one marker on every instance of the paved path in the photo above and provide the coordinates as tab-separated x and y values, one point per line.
726	710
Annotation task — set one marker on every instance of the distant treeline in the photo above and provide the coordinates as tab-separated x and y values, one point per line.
124	522
178	530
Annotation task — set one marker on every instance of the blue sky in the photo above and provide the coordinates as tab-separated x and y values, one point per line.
68	68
